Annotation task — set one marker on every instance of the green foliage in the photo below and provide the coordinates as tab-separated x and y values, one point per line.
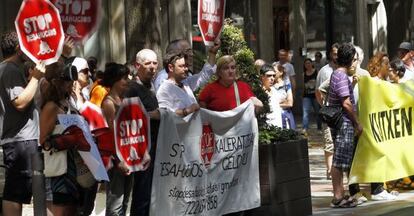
233	43
272	134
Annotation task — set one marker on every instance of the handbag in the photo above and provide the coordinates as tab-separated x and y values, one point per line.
331	115
56	162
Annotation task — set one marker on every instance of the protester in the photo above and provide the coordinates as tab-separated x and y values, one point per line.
19	134
232	91
289	76
268	75
98	91
63	191
309	100
405	53
323	75
285	96
341	94
142	87
120	181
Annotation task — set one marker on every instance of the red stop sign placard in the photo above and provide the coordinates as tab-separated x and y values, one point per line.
210	19
132	134
80	18
40	31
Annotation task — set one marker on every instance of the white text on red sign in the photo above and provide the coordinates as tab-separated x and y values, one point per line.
37	27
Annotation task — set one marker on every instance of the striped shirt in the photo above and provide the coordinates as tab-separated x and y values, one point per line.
340	88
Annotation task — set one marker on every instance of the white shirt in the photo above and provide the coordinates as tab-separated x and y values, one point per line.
172	97
408	75
274	117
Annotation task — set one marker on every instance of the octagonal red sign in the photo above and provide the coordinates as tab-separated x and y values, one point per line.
80	18
132	134
40	31
210	19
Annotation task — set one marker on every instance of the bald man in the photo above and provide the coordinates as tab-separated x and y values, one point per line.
146	64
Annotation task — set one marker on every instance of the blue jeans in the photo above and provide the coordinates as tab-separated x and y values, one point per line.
309	103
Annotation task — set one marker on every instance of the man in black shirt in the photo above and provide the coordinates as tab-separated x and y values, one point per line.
142	87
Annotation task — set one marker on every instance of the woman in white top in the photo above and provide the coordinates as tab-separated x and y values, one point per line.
284	96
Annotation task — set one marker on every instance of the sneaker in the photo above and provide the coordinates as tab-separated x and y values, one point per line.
384	195
359	197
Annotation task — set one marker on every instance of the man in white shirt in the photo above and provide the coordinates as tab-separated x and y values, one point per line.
405	53
283	56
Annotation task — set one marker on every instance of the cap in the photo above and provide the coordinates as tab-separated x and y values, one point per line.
80	64
406	46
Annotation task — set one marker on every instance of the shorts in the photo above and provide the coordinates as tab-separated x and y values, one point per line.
18	180
344	146
328	142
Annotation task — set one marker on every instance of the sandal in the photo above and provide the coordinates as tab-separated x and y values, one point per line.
344	202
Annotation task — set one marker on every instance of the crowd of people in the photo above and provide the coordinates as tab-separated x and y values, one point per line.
33	95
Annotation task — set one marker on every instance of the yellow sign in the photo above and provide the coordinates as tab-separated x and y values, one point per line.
385	150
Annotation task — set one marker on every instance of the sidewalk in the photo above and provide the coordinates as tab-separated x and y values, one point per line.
321	189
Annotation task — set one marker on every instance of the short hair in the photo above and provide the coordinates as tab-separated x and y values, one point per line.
346	54
398	66
335	45
144	55
283	51
113	73
171	58
9	42
224	60
265	68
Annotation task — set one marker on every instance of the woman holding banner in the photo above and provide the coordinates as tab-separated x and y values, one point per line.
62	188
227	92
120	185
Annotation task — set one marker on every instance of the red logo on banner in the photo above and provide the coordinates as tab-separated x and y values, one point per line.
207	143
210	19
132	137
80	18
40	31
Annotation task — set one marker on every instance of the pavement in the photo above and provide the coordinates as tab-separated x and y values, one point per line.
321	190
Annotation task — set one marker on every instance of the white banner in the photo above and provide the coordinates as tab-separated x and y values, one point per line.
216	179
92	158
